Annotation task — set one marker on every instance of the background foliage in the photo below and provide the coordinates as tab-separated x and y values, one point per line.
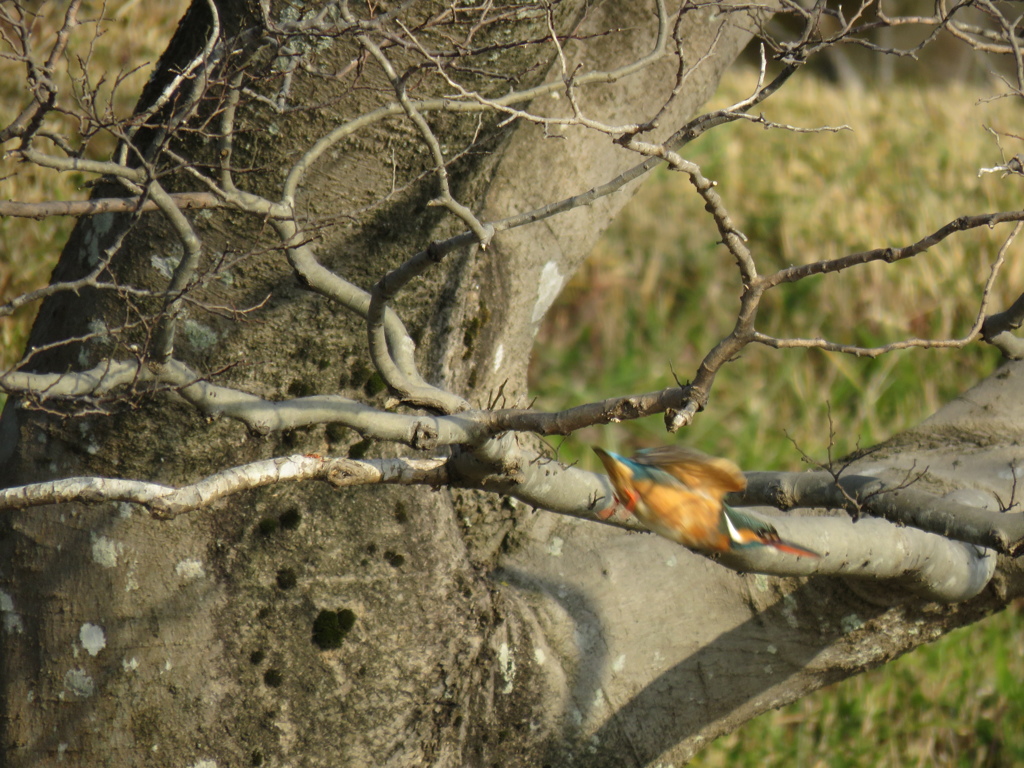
658	292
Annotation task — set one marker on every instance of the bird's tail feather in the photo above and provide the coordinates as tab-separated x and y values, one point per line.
793	549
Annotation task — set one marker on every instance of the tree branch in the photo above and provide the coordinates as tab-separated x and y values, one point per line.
182	200
911	560
902	559
167	502
1003	532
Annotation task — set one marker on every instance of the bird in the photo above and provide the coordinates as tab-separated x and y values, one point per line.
679	493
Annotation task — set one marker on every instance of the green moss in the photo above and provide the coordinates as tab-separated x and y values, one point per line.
358	450
301	388
266	526
256	657
273	678
360	371
394	559
286	578
330	628
374	385
146	724
335	433
257	758
290	519
401	516
473	330
469	336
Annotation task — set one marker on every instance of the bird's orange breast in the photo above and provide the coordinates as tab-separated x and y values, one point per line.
688	518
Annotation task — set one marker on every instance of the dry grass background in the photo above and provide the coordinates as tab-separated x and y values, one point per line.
658	292
118	60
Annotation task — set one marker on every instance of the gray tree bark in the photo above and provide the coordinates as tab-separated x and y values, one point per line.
304	625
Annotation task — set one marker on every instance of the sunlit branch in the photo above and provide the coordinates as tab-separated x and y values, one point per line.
182	200
1001	531
386	329
167	502
903	560
918	562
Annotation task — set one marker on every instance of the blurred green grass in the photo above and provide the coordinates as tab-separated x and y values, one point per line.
658	293
957	702
109	47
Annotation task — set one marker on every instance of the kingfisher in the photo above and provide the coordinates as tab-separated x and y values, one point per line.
679	493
